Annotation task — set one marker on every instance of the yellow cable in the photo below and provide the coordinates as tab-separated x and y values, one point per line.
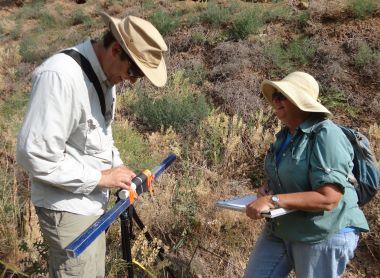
12	268
144	268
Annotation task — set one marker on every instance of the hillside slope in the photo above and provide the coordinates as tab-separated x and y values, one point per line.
215	117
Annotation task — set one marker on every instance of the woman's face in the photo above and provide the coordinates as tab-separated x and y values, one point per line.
286	111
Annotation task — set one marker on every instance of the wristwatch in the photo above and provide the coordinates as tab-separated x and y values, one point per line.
275	200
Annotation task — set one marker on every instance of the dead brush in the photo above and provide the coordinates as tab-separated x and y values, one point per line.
214	165
374	138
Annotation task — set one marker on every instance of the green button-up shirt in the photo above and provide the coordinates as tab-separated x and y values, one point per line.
308	162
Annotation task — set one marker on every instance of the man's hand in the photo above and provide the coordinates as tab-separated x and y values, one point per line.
262	204
119	177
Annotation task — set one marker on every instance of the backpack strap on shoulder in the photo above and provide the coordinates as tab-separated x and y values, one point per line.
89	71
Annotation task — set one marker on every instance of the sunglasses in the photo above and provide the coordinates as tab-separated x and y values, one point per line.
134	71
278	96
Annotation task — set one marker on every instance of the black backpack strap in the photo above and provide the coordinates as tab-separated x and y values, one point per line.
89	71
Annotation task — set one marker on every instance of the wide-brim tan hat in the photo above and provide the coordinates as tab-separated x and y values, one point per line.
143	43
298	87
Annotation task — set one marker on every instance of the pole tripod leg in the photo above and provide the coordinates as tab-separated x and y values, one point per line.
149	238
125	223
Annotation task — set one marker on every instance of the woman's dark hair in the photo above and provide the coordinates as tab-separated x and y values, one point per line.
107	39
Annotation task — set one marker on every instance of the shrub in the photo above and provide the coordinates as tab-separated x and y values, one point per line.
172	111
79	17
196	75
30	49
365	56
215	14
47	21
335	99
362	8
133	147
278	55
246	23
298	52
278	13
31	10
165	23
179	107
303	18
301	51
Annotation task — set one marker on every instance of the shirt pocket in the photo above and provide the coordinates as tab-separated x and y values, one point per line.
299	151
94	141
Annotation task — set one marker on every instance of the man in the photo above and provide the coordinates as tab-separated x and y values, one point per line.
66	141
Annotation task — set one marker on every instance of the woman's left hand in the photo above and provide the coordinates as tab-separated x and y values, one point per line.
262	204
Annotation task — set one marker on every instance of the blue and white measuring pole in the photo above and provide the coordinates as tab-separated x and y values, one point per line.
141	183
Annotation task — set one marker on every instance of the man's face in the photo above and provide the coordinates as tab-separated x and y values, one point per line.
115	68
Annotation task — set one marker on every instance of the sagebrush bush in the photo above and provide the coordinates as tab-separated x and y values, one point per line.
365	56
196	74
362	8
302	50
164	22
303	18
246	23
134	149
79	17
179	107
278	55
298	52
31	10
215	14
47	21
30	49
278	13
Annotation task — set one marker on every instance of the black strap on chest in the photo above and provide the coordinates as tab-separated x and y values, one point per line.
89	71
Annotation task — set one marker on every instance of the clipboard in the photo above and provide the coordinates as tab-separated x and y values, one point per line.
240	203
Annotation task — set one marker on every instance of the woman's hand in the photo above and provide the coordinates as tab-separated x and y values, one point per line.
262	204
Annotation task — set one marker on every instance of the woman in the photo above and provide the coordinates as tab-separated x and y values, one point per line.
307	171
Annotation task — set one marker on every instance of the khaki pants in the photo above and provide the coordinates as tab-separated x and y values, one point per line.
59	229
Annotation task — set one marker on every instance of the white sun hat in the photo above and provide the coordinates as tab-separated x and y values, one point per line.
143	43
298	87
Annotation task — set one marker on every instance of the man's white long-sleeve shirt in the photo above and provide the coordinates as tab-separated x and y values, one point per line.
65	141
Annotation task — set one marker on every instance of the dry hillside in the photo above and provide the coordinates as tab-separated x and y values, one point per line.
211	114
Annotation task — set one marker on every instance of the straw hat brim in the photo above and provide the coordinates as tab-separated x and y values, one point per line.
158	76
302	100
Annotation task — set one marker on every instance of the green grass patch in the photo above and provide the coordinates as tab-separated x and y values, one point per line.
365	56
246	23
302	18
298	52
278	13
79	17
335	99
30	49
301	51
164	22
215	15
362	8
179	107
196	75
31	10
133	147
14	105
47	21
